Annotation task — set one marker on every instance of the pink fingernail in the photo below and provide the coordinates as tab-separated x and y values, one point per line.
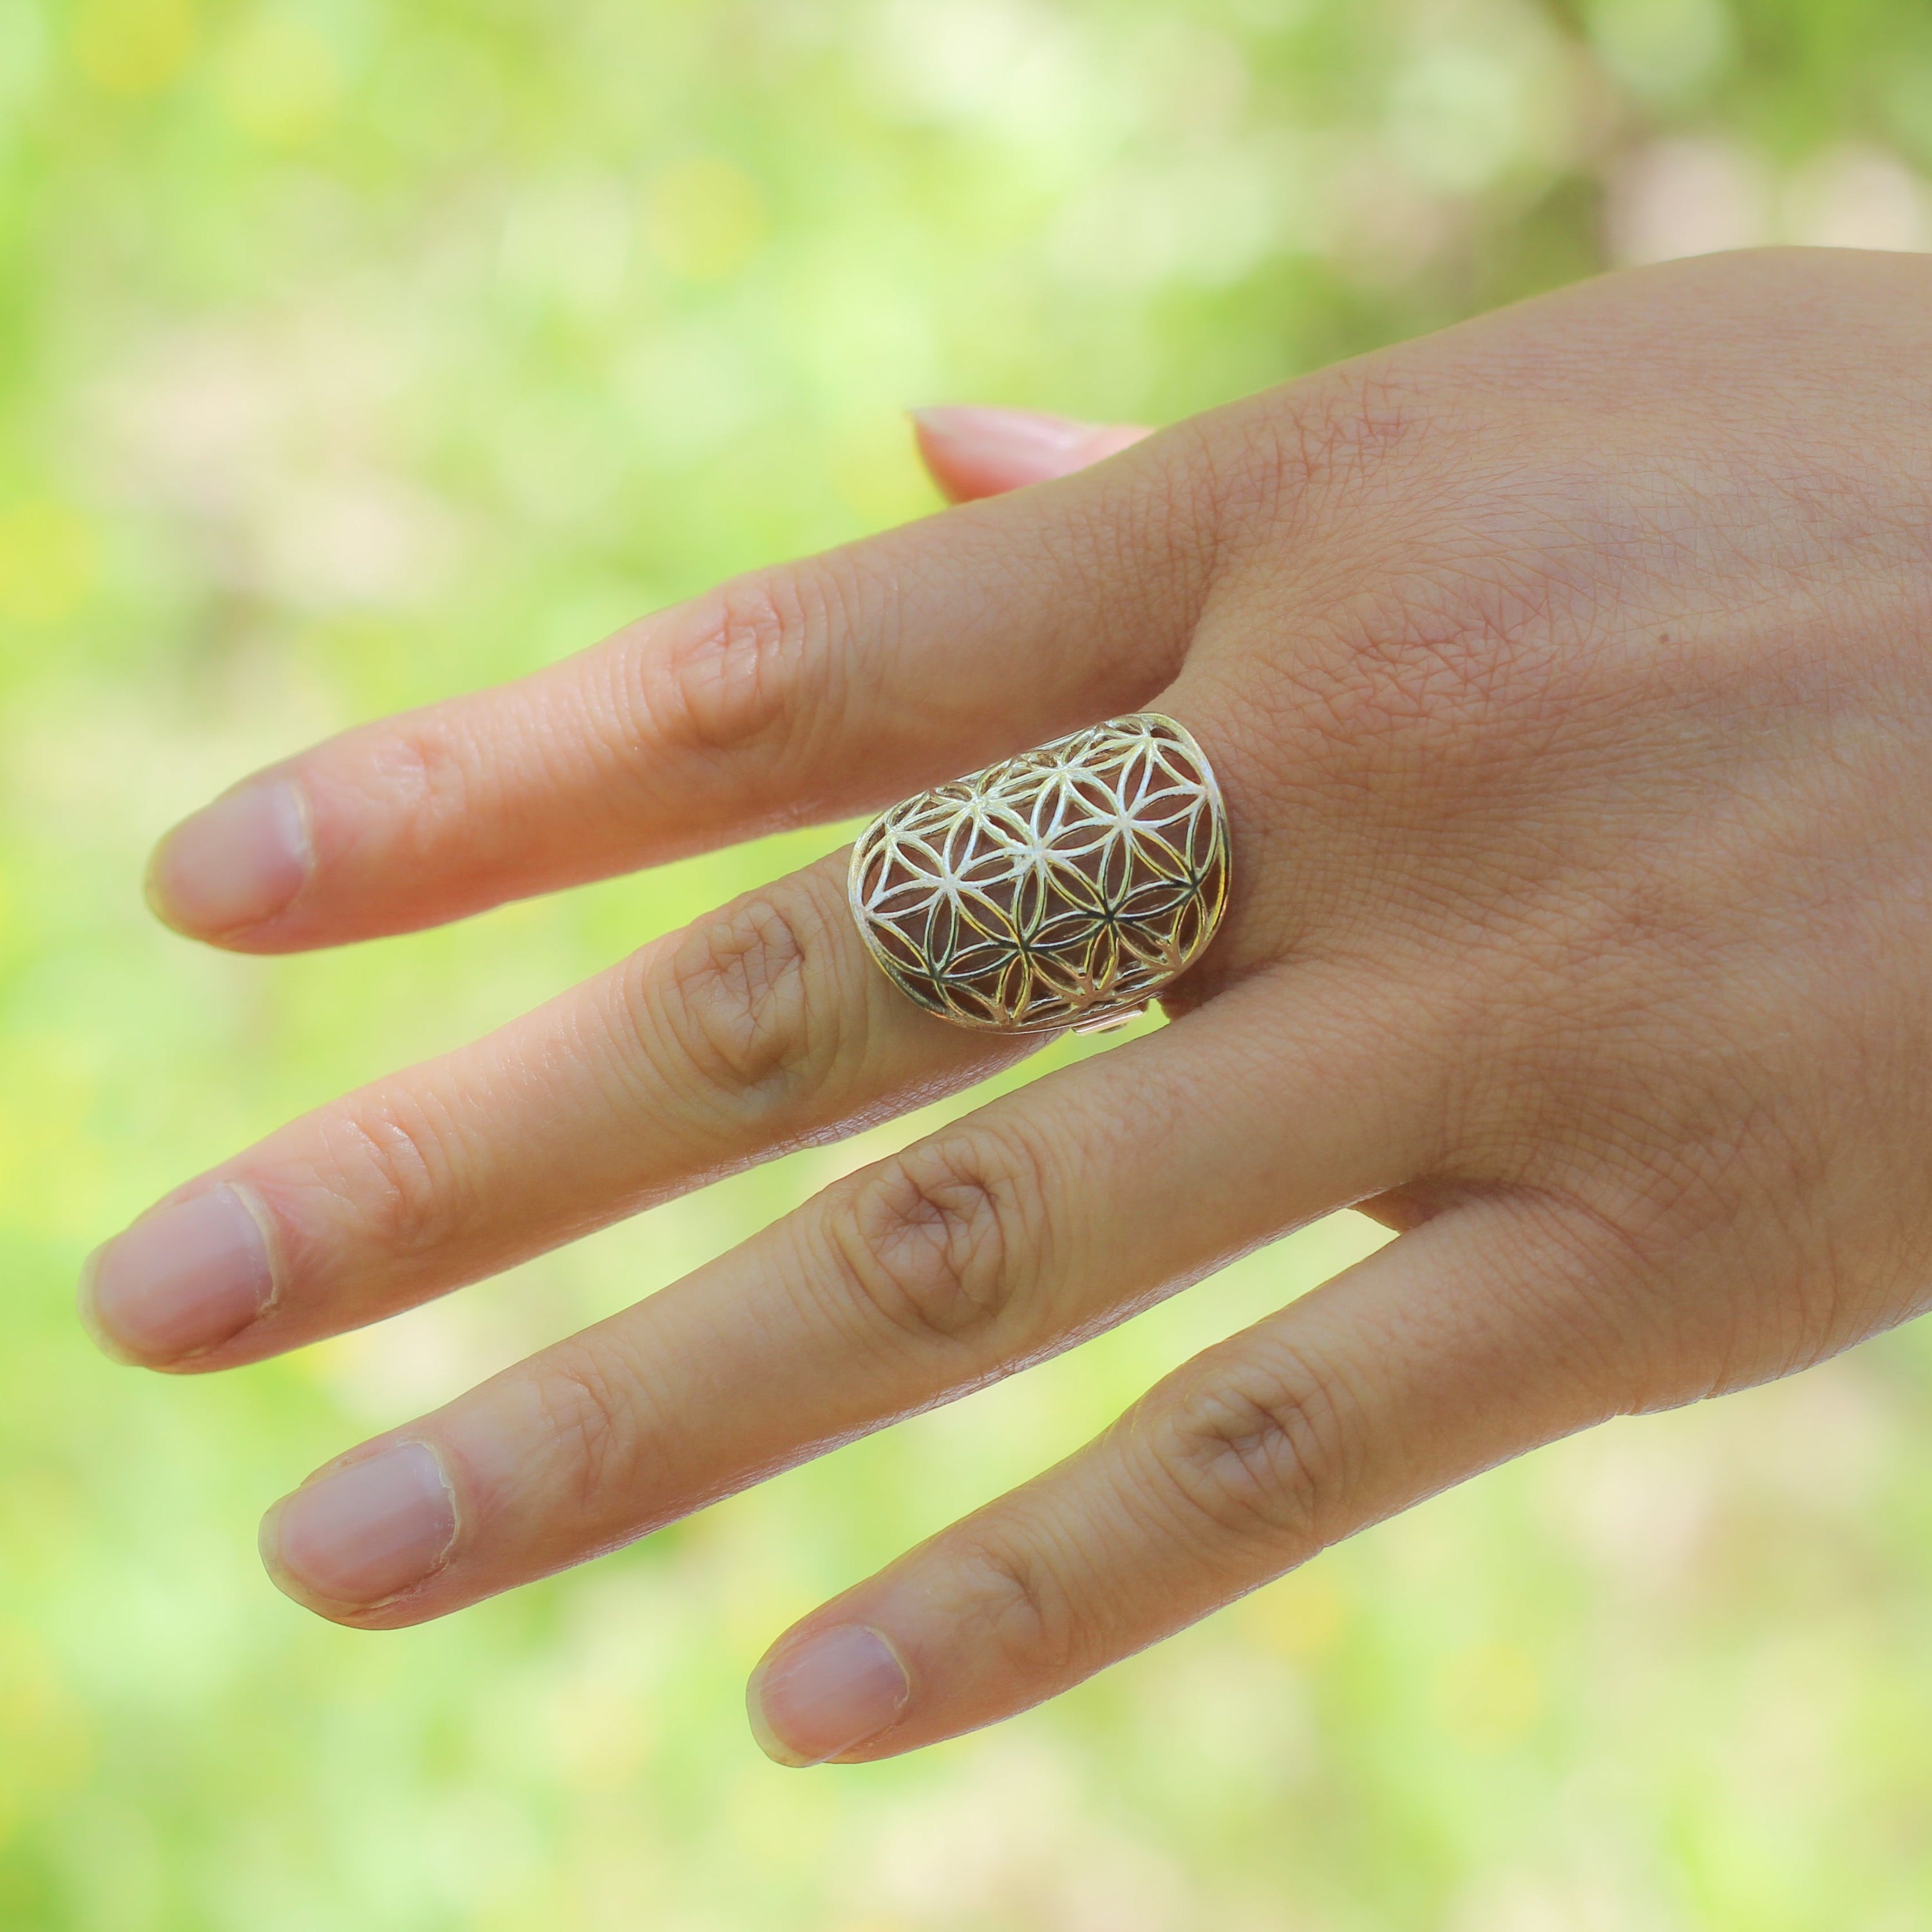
975	429
363	1531
234	864
182	1279
820	1697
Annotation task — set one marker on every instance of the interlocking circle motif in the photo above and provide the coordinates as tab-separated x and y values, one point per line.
1063	888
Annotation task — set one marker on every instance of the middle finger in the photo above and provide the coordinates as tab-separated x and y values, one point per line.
1047	1216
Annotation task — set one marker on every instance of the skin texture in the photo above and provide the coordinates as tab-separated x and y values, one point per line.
1566	675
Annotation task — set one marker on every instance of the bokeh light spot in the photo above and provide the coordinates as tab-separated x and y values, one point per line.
279	81
133	47
46	562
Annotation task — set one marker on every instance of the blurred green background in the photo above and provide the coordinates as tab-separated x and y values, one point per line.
351	354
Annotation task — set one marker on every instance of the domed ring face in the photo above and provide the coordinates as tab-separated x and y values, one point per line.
1065	887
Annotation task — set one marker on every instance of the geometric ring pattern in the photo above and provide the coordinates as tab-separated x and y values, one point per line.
1065	887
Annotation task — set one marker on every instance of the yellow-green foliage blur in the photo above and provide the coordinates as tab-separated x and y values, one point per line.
353	354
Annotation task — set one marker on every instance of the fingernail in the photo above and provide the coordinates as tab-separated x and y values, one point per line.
821	1696
181	1279
234	864
976	429
363	1531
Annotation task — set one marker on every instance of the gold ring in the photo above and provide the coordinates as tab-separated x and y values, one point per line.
1065	887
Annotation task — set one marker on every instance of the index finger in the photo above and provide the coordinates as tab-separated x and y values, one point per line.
802	693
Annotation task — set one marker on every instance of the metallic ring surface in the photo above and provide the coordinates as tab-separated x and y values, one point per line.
1065	887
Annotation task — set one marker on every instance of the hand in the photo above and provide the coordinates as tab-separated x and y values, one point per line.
1566	673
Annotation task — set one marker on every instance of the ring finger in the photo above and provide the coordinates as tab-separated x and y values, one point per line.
754	1031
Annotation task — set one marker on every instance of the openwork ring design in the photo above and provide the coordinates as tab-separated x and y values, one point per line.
1065	887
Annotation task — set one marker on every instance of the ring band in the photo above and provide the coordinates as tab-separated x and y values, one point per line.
1065	887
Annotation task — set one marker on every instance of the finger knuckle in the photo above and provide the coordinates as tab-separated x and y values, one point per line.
1014	1600
939	1242
396	1170
726	682
590	1425
750	997
424	777
1260	1451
